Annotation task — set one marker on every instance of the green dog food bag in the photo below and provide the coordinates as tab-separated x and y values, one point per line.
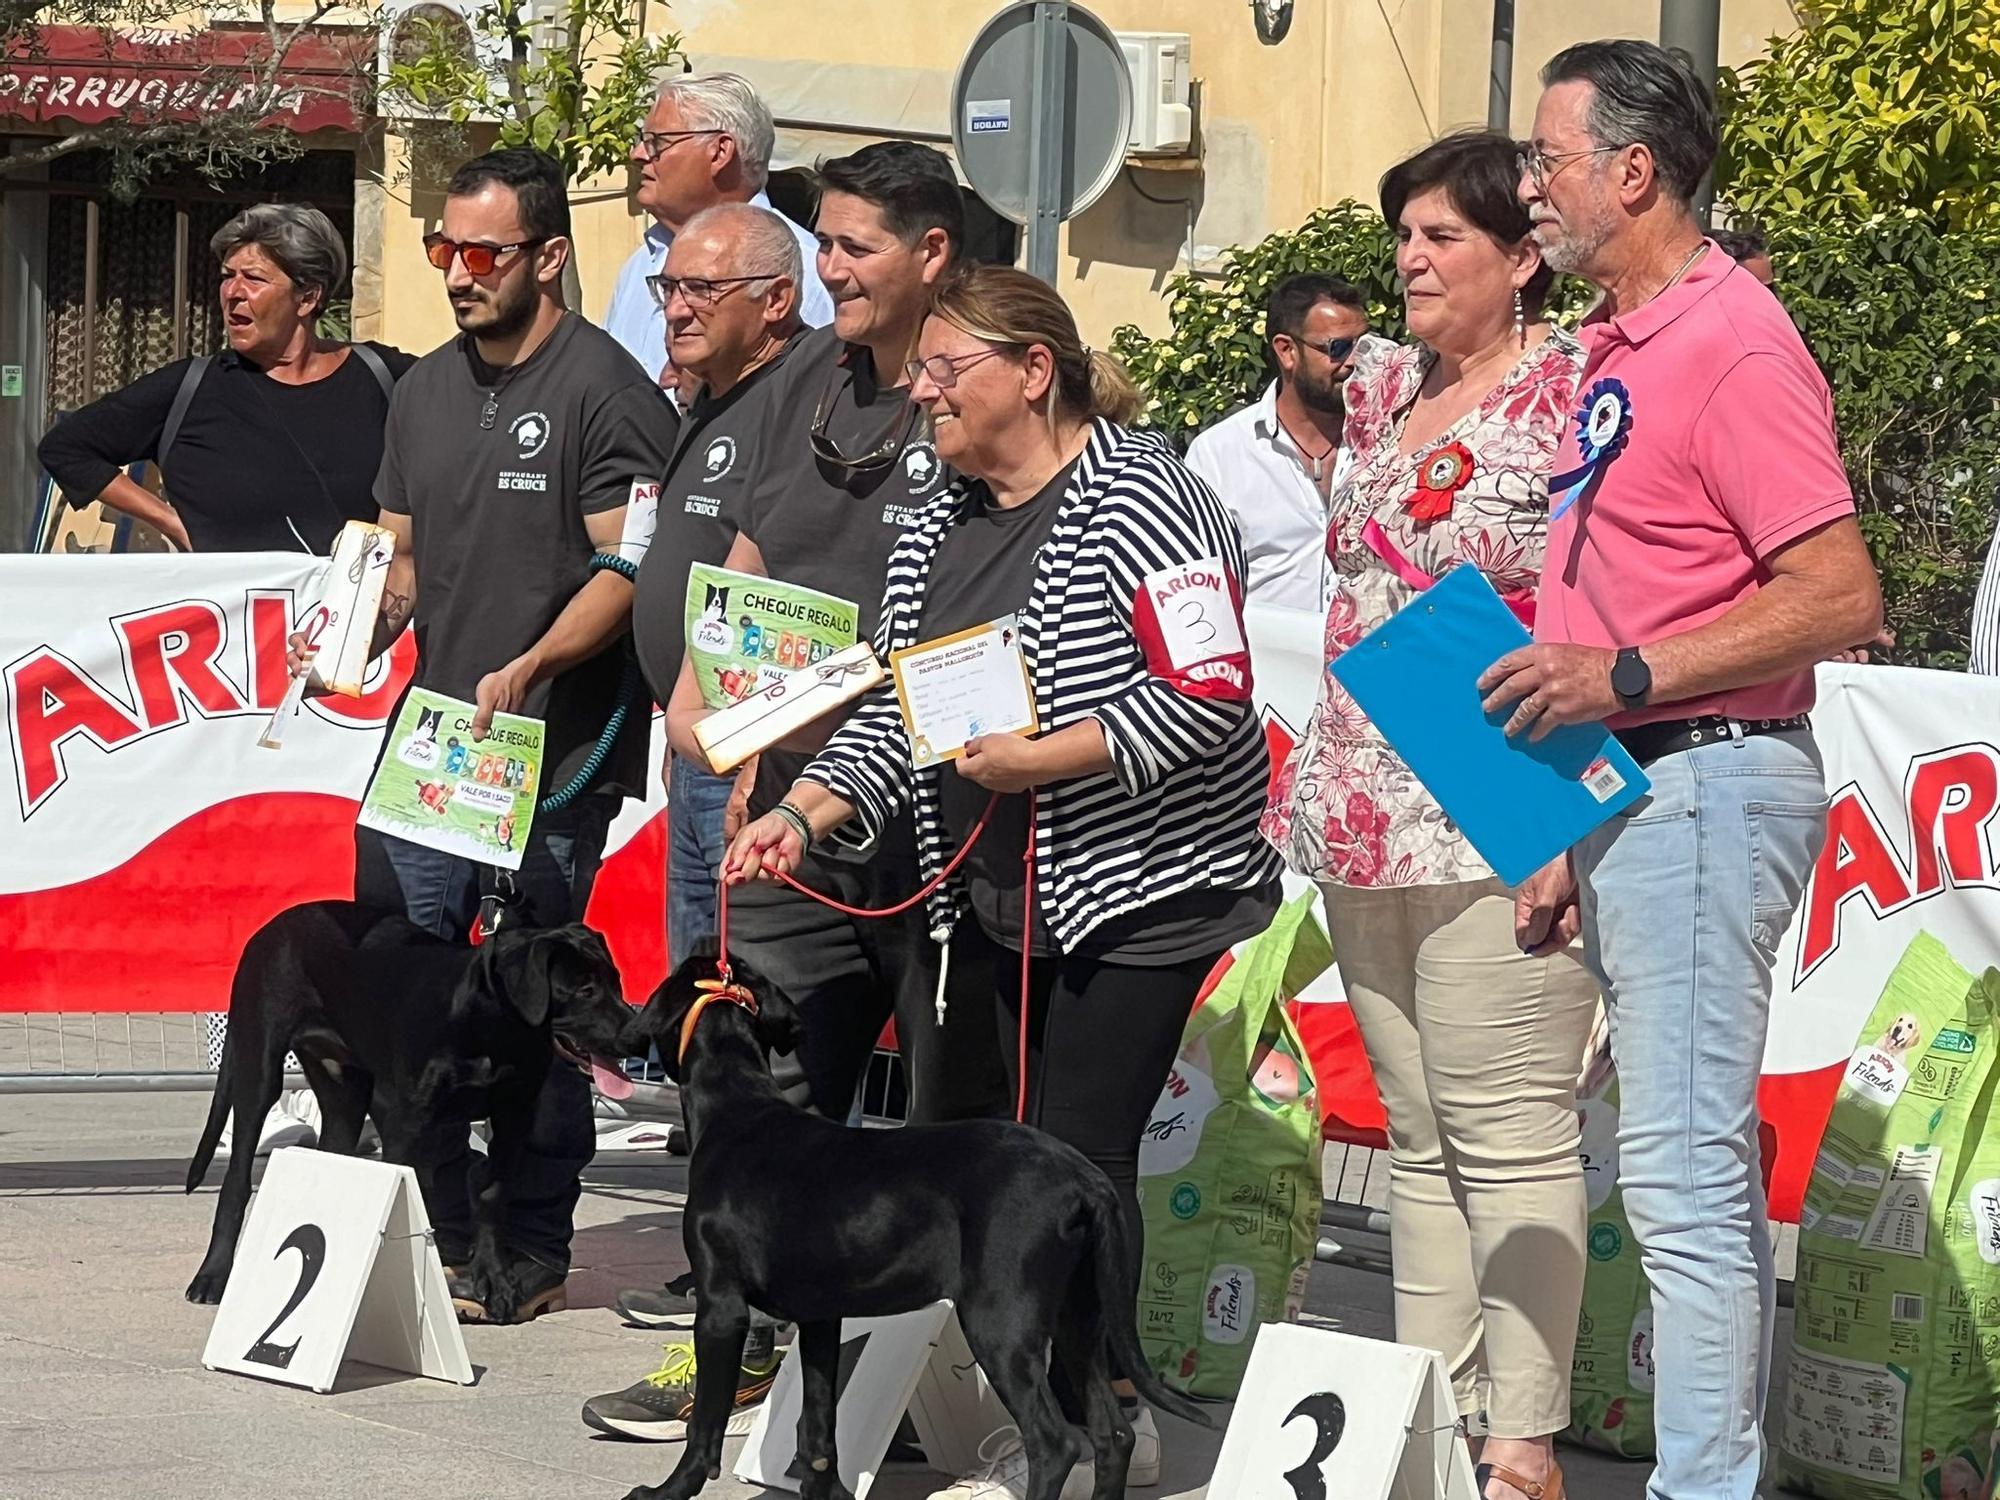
1893	1387
1611	1373
1229	1170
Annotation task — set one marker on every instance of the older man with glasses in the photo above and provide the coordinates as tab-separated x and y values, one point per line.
706	142
1276	463
1703	554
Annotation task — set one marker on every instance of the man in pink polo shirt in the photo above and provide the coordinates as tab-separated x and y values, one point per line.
1703	556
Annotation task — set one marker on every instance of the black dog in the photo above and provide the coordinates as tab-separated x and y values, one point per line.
423	1036
812	1222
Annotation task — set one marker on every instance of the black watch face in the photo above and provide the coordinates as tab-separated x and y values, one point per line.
1630	677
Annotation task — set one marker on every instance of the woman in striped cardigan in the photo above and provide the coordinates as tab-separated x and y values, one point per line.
1144	785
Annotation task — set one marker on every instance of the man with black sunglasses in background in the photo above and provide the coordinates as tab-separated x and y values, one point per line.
1276	463
510	458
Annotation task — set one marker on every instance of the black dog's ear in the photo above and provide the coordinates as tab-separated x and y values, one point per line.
519	967
779	1028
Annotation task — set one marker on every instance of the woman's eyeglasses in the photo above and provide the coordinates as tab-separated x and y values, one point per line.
479	259
700	291
944	369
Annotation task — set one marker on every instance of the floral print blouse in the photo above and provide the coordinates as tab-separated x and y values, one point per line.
1345	809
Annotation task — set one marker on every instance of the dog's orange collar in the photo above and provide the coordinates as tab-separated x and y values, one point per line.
712	990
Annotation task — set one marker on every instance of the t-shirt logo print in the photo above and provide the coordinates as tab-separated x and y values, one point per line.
530	432
720	456
920	467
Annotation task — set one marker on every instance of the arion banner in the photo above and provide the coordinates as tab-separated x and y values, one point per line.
144	834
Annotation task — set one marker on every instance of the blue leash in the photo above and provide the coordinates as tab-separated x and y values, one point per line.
631	688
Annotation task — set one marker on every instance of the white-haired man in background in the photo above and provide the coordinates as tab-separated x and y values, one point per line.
707	141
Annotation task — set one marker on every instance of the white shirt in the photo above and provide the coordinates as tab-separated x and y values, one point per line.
1986	616
1263	479
640	324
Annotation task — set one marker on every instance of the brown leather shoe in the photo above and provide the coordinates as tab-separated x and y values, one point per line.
542	1291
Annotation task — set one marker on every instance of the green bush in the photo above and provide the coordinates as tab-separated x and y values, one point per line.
1899	312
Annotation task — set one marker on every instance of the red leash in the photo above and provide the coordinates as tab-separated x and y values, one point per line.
924	893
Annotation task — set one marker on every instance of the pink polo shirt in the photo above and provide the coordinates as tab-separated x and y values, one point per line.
1730	455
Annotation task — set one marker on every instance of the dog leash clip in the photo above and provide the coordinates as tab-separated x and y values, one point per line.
495	905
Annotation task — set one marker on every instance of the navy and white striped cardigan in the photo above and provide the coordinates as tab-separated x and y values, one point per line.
1179	811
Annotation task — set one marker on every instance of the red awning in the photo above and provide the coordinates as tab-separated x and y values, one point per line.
91	76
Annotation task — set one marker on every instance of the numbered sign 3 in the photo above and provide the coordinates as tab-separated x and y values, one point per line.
334	1263
1327	1416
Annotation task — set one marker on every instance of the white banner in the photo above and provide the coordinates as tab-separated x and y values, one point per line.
144	834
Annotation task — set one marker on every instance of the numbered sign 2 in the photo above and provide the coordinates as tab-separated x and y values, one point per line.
1327	1416
335	1261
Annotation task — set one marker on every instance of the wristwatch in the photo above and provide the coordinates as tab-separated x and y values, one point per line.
1631	678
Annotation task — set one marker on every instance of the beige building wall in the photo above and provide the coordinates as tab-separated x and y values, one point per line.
1282	129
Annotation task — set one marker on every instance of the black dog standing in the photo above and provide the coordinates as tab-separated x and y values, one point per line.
361	996
813	1222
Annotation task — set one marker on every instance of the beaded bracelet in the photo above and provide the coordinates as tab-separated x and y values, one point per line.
793	814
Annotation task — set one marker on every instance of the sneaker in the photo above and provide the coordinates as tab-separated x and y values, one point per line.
661	1308
1005	1475
656	1409
1144	1473
293	1121
544	1290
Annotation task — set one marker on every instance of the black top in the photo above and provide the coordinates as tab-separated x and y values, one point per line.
497	516
701	501
253	455
984	568
824	526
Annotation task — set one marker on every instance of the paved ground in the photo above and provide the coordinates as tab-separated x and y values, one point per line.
102	1393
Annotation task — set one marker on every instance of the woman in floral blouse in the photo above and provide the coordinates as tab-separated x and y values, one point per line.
1475	1045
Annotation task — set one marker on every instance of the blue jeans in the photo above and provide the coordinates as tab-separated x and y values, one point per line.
695	846
440	892
1684	899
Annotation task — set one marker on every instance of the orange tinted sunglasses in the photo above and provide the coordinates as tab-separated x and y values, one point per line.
479	259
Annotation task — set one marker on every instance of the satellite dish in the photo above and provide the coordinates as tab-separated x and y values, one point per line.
992	115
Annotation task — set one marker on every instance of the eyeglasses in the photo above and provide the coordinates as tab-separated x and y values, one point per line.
657	143
1537	163
1336	350
884	453
944	369
700	291
480	259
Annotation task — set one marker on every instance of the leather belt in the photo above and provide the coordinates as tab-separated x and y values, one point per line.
1648	742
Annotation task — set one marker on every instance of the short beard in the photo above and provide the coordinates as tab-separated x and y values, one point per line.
1325	399
502	318
1580	244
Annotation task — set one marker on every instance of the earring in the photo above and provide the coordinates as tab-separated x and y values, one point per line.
1520	319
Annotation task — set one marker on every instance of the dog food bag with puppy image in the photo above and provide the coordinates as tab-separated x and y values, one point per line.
1229	1171
1611	1373
1894	1380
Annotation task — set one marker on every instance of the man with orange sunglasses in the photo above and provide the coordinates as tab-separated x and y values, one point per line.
509	463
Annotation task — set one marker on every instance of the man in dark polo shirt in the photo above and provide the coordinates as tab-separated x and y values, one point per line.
842	461
730	291
509	460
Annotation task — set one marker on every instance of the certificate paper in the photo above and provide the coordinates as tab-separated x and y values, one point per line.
439	787
961	686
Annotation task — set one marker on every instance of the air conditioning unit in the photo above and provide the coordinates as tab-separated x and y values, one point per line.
1162	80
468	29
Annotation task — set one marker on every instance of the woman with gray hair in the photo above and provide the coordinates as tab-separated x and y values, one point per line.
271	444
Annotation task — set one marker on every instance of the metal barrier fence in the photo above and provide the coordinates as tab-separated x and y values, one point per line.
60	1052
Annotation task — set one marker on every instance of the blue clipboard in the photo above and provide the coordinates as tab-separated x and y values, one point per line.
1521	802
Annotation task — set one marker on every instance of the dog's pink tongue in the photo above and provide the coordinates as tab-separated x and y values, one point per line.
610	1079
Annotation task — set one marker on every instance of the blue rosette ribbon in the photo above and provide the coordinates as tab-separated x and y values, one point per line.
1603	426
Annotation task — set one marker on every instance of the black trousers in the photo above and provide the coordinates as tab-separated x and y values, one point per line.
441	892
1102	1038
848	976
